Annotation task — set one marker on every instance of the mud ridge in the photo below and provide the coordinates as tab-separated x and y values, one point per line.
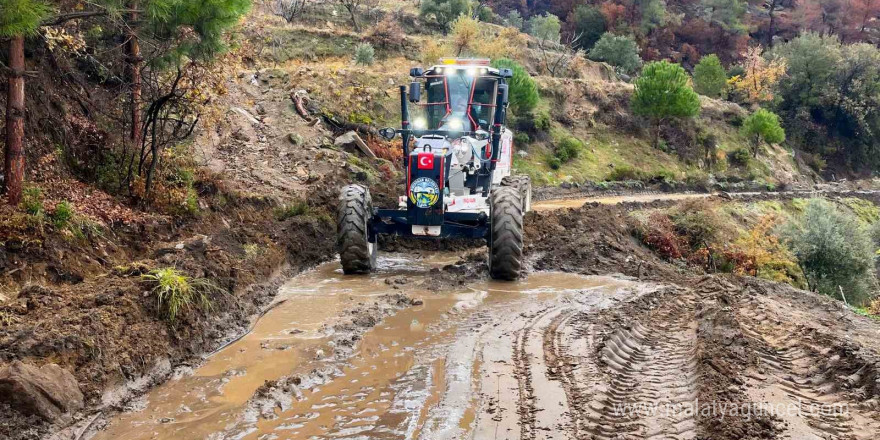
827	382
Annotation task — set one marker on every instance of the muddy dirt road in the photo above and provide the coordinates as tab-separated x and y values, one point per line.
554	356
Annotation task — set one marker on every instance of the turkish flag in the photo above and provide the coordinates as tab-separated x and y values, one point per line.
426	161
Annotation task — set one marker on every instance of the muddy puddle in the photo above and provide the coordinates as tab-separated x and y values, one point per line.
551	205
417	374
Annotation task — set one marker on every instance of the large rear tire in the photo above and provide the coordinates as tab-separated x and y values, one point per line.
506	234
357	252
523	185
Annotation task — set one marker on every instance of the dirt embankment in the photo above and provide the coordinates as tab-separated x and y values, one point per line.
592	240
107	330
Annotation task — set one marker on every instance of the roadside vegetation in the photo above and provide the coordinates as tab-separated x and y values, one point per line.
177	293
829	246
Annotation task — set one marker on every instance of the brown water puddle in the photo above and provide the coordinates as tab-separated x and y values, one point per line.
418	374
206	401
415	375
551	205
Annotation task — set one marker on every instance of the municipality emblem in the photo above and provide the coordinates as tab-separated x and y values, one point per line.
424	192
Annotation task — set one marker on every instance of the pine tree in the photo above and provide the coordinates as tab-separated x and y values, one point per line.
160	22
710	77
662	92
18	19
763	125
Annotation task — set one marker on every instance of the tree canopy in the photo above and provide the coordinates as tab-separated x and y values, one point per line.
710	78
763	125
21	17
523	89
662	91
620	51
830	97
545	27
588	23
443	12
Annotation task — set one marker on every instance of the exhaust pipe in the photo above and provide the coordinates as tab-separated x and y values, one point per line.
405	133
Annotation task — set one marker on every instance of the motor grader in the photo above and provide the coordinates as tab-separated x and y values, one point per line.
458	157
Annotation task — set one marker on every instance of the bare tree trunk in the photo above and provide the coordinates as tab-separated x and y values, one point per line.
134	62
771	28
352	9
657	127
15	110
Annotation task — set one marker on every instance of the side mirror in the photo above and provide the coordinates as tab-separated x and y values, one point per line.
481	135
416	72
388	133
504	91
415	91
506	73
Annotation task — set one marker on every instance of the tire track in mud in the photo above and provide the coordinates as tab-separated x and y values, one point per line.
807	383
632	381
522	370
561	362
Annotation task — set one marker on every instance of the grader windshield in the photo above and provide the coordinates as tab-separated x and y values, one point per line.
460	98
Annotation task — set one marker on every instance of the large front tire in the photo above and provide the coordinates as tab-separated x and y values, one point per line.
523	185
506	234
356	251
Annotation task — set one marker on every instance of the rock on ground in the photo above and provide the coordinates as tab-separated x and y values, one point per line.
48	391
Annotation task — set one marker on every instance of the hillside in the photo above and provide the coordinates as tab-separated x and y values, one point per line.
590	103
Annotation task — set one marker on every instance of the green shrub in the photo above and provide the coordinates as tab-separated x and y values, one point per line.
364	54
177	293
622	173
736	70
523	90
293	209
554	163
521	140
740	157
697	222
486	15
568	149
814	161
663	176
63	214
875	234
622	52
543	121
32	200
834	251
710	79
